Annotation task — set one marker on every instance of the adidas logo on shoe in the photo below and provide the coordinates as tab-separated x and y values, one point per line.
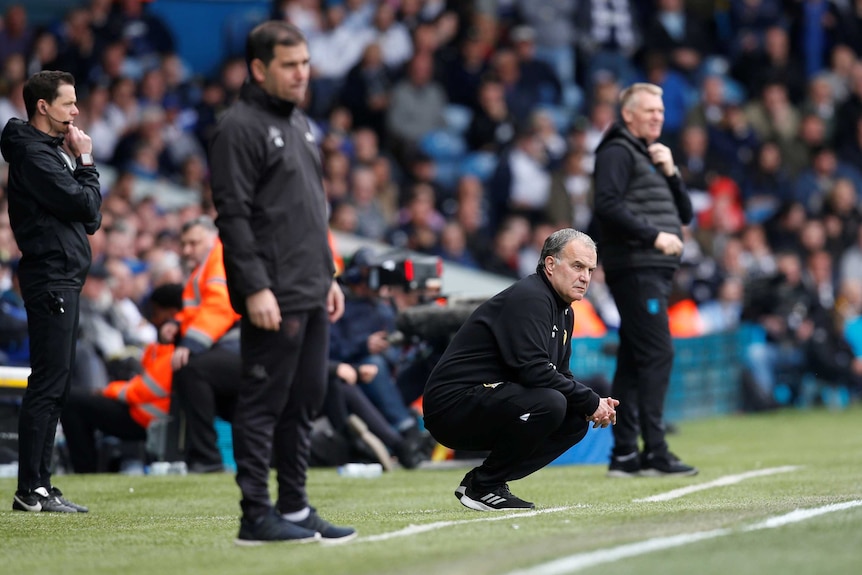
499	499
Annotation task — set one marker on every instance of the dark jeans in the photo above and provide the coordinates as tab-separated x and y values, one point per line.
491	419
53	328
644	358
85	414
284	377
206	387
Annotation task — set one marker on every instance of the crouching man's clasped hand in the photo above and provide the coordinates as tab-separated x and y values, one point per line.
606	413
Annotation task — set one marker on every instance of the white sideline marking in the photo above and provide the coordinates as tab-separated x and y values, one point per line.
416	529
581	561
720	482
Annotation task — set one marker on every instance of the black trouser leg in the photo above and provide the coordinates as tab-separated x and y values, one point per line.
292	445
496	419
53	335
644	359
86	413
205	387
283	385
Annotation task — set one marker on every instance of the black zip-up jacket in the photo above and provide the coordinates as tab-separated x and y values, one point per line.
634	201
268	192
52	208
522	335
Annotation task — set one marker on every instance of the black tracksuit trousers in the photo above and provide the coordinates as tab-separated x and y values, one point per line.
495	419
52	324
644	359
284	378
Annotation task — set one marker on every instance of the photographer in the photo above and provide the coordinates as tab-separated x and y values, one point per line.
361	337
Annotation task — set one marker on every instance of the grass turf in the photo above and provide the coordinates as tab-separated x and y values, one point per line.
173	525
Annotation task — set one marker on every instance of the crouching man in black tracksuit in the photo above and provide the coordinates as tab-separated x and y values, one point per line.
54	202
504	383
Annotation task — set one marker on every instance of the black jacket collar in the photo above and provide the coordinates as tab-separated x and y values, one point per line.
256	96
560	302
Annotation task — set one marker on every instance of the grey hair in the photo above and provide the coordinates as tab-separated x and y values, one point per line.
203	221
557	241
629	96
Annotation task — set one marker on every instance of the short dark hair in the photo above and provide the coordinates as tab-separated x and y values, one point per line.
44	85
262	40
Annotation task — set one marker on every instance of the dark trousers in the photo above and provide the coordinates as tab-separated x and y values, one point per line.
491	419
283	386
53	327
206	387
343	399
86	413
644	359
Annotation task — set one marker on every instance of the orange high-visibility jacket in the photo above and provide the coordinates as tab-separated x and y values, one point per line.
207	315
148	395
336	257
587	320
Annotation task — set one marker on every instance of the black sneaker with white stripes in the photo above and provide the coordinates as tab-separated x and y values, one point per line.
459	491
497	499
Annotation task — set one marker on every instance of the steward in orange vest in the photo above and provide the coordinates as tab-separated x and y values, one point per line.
148	394
206	360
124	409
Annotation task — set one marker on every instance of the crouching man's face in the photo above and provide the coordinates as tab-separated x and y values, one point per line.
570	274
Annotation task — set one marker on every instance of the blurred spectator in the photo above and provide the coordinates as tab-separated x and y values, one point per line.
392	36
15	34
464	76
417	105
570	201
366	91
771	62
371	221
767	183
145	35
534	71
77	53
453	246
680	35
608	36
553	24
493	125
709	110
420	223
521	183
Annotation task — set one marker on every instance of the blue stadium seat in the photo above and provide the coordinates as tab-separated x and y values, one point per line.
479	164
458	118
443	145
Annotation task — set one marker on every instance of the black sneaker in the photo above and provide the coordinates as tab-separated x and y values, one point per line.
661	466
55	492
459	492
327	531
39	500
625	465
498	499
271	528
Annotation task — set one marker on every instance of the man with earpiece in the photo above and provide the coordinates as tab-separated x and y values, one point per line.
54	203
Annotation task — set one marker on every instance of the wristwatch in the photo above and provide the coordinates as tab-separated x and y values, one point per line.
87	159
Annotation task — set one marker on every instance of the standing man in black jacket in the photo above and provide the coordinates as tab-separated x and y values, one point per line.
504	384
54	202
641	204
268	191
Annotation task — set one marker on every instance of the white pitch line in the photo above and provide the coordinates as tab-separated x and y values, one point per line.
581	561
416	529
720	482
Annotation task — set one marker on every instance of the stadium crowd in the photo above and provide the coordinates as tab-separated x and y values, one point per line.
467	130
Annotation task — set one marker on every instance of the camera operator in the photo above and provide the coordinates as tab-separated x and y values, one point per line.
361	337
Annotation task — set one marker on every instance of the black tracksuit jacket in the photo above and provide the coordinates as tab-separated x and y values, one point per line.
268	192
52	208
521	335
